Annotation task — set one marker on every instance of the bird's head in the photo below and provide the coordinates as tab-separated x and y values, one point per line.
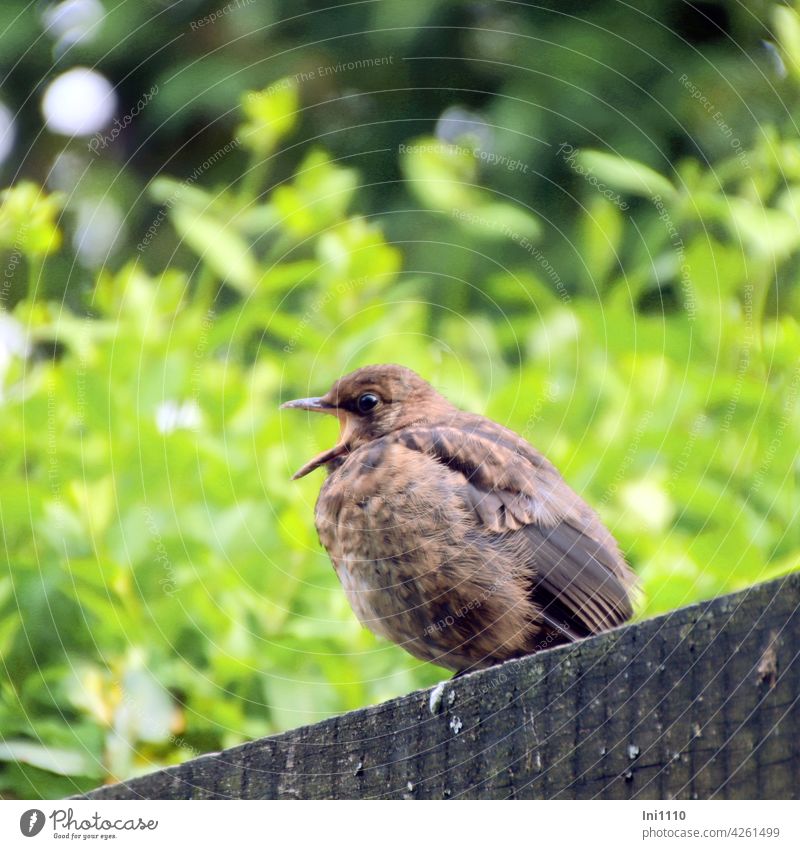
369	403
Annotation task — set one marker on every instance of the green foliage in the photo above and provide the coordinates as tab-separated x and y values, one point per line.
27	220
163	592
271	115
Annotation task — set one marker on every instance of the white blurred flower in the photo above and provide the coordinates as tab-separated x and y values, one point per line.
73	21
649	503
13	343
774	56
172	416
7	132
79	102
459	125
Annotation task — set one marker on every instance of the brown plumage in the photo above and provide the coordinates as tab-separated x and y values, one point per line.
451	535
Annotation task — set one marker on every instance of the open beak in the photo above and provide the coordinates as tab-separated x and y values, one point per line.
316	405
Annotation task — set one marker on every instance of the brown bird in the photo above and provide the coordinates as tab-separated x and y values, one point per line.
451	535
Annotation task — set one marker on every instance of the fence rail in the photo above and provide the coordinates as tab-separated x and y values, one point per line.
700	703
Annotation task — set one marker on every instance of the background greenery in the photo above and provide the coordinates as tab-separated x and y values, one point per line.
632	309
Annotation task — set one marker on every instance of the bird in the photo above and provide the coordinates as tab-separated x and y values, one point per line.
451	535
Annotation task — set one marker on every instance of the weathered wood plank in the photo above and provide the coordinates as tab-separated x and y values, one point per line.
700	703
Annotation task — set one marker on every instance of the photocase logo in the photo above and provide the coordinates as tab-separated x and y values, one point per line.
31	822
65	825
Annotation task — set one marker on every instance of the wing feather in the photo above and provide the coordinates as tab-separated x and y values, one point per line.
579	580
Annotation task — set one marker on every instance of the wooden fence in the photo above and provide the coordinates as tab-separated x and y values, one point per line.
700	703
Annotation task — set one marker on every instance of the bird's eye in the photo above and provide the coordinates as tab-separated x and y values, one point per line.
367	402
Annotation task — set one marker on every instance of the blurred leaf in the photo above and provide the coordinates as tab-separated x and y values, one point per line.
169	191
442	175
770	233
786	22
355	253
503	221
318	196
626	175
9	628
271	115
219	246
61	761
28	219
601	234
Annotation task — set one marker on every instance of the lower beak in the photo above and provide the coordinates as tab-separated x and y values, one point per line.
321	460
314	405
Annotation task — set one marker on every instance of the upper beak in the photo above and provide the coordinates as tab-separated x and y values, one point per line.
315	405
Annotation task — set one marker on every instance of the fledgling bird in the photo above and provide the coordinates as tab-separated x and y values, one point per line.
451	535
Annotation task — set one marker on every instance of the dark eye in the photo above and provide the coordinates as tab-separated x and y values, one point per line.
367	402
